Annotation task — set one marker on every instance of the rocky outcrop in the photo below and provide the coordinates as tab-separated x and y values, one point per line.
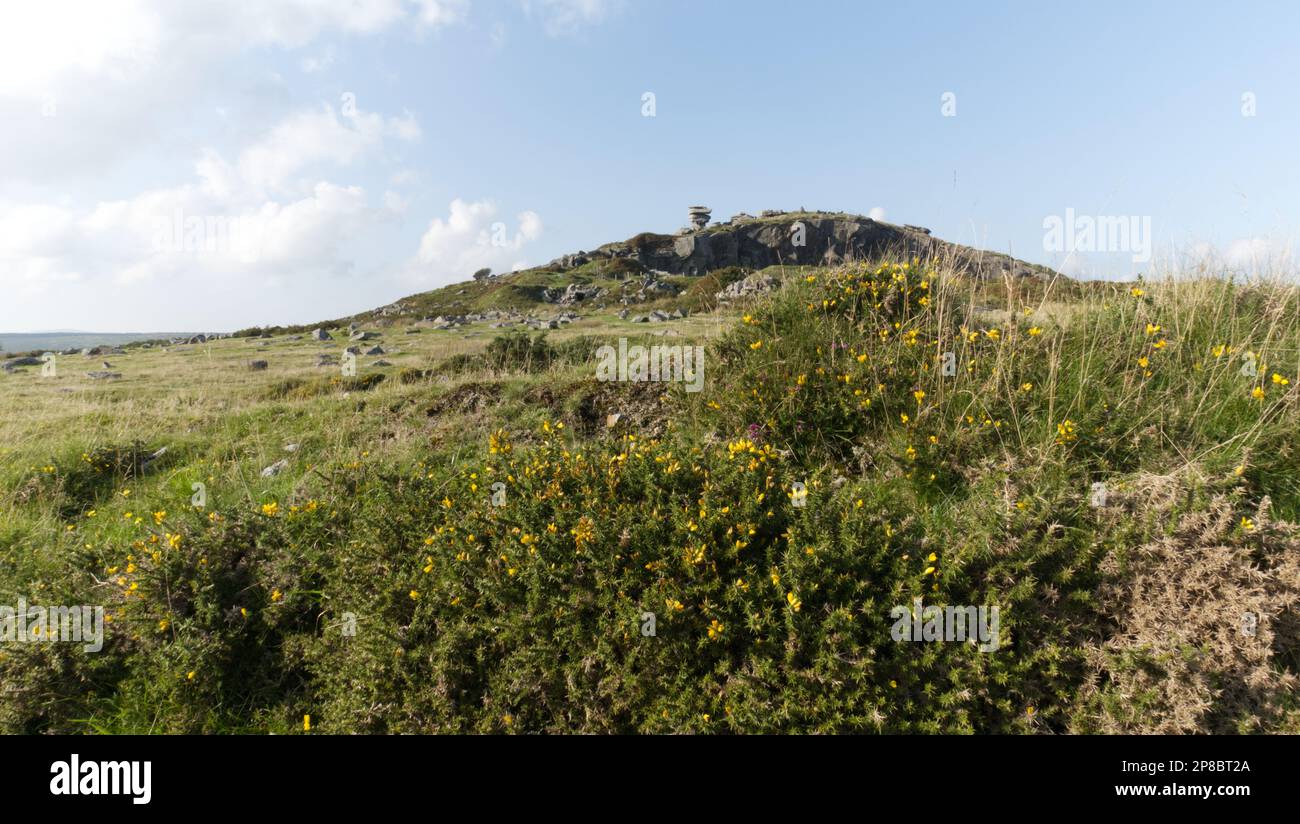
797	239
571	294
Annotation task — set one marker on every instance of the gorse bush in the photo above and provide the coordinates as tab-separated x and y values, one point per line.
867	437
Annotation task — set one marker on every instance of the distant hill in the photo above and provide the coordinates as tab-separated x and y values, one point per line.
13	342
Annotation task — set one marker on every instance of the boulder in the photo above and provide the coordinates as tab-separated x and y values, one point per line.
13	363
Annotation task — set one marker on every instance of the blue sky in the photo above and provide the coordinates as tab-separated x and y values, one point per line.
373	149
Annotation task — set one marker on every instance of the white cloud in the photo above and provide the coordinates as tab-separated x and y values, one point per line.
317	63
471	238
562	17
322	136
438	13
232	222
117	76
1267	256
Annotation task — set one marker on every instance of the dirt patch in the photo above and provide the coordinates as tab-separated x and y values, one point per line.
465	399
644	408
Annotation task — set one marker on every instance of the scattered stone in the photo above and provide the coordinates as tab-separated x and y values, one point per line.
103	376
275	468
291	447
13	363
748	287
375	350
258	365
381	363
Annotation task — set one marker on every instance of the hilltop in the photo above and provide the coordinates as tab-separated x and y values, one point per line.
686	270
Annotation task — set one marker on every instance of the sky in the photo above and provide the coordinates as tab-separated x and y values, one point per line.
213	166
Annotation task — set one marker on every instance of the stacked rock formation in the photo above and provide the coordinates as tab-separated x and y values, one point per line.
699	216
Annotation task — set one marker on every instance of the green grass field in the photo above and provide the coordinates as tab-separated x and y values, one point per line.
478	537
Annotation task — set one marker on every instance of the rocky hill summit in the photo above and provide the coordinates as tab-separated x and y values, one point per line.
701	265
800	238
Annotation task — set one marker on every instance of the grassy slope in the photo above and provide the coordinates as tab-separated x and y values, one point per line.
969	489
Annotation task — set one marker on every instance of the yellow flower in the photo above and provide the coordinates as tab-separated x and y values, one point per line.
1144	361
1035	331
158	517
270	509
1136	292
276	595
1026	387
414	595
1257	393
793	601
758	344
1280	381
1152	329
716	628
1247	524
919	395
189	676
498	443
306	723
